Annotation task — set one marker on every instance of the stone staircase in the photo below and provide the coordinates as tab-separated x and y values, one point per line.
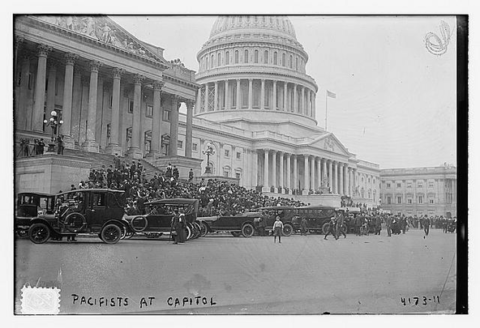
98	159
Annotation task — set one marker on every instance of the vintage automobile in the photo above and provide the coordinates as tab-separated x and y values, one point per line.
91	211
288	215
318	217
30	205
159	218
238	224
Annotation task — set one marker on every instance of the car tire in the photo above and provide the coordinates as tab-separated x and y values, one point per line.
204	229
287	230
247	230
39	233
111	233
188	233
325	227
137	224
71	221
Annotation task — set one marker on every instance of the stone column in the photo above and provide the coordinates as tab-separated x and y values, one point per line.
254	166
262	95
314	110
289	180
250	93
274	100
266	186
90	143
156	120
302	101
285	95
227	100
134	151
206	98
24	117
324	171
274	169
215	97
330	176
341	167
189	128
295	172
174	126
319	173
295	99
67	101
238	106
281	173
347	182
306	175
198	105
39	104
312	173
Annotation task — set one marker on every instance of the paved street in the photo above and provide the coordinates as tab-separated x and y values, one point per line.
370	274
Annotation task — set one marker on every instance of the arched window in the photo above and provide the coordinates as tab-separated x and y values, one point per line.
236	56
296	63
283	60
212	62
256	52
265	57
275	58
219	59
245	58
206	62
291	61
227	58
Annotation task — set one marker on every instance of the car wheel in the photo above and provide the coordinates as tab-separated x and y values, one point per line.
111	233
287	230
247	230
204	229
188	233
139	223
39	233
75	222
325	228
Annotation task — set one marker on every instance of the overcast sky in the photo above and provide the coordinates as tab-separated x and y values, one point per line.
395	101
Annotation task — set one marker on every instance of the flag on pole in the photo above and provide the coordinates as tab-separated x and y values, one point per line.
331	94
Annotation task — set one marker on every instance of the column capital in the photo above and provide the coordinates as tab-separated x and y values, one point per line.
43	50
250	80
189	103
95	65
238	80
138	79
118	72
70	58
158	85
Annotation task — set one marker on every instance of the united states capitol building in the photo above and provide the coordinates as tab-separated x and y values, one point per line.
251	106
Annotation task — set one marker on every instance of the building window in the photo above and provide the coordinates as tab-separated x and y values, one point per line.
430	184
399	200
409	201
431	201
206	62
265	57
238	155
399	185
219	59
237	175
275	58
296	63
420	184
227	153
283	60
212	62
409	185
389	200
194	147
130	106
388	185
245	58
255	58
420	199
166	115
227	58
149	112
236	56
291	61
179	144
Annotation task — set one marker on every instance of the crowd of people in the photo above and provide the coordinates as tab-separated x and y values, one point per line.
216	197
27	148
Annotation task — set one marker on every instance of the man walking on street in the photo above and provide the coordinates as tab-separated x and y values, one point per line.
426	225
331	229
339	224
388	223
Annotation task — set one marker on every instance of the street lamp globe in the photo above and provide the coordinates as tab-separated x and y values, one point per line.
53	113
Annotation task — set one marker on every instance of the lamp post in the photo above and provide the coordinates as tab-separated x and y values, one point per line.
53	124
209	151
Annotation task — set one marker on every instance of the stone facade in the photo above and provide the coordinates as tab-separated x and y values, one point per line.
420	191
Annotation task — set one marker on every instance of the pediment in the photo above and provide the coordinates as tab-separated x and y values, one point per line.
329	142
105	30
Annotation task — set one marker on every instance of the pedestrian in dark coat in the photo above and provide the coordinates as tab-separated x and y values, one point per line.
303	227
426	225
60	146
331	229
339	224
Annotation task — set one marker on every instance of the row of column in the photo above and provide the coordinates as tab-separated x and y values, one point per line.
303	103
318	173
90	143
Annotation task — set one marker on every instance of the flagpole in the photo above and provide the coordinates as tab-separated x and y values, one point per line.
326	110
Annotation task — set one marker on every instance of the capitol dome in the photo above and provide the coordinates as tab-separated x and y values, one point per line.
253	65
